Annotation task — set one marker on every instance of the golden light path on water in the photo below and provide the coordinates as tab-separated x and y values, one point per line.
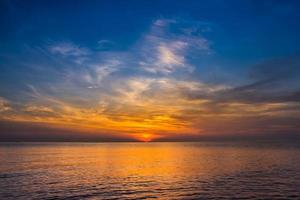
149	170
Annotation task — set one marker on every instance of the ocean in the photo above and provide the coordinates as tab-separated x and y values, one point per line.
200	170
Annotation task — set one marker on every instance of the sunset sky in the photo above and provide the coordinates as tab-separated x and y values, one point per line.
149	70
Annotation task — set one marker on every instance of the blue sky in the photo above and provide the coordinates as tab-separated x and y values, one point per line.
174	64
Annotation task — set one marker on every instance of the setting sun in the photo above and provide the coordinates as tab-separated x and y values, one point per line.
146	137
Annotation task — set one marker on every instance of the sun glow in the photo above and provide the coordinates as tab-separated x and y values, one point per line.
146	137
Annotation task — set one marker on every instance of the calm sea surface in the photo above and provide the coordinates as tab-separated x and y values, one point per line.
149	171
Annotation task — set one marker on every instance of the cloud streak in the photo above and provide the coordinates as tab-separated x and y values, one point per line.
68	49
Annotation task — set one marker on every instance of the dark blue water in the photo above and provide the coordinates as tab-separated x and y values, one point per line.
149	171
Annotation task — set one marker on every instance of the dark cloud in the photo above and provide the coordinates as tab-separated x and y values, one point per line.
248	94
277	69
11	131
274	81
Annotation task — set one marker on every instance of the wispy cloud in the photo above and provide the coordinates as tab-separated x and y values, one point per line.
38	109
168	58
105	45
100	71
167	45
68	49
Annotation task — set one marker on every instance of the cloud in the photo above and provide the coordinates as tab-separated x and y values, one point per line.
13	131
168	55
187	31
4	105
105	45
68	49
38	109
99	71
273	81
168	58
277	69
253	94
163	22
166	47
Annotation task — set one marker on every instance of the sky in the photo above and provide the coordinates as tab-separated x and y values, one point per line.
149	70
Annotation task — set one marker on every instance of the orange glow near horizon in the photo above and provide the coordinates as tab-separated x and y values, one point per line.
146	137
132	114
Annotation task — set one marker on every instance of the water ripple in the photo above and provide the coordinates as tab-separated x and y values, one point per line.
148	171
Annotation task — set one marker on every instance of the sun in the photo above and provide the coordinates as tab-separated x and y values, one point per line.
146	137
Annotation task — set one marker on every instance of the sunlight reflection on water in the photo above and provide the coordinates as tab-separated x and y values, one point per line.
148	170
